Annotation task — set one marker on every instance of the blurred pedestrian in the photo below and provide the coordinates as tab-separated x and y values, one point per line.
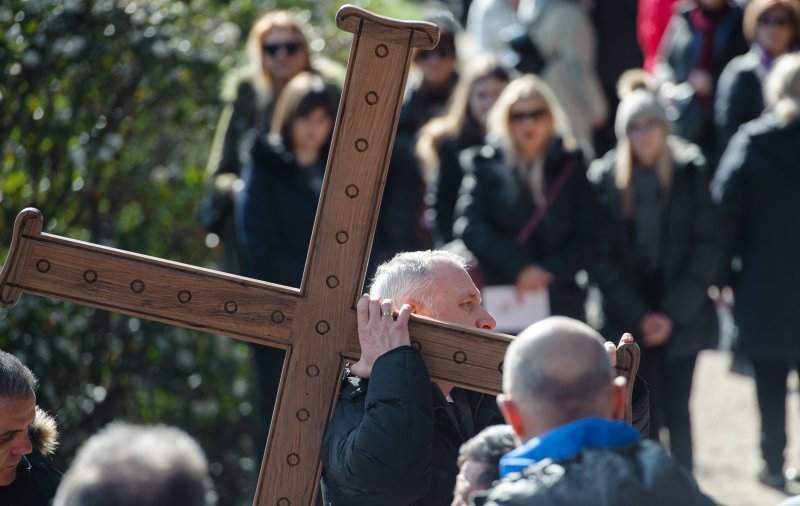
524	210
132	465
479	461
663	253
756	189
700	40
277	50
772	28
443	138
563	34
277	205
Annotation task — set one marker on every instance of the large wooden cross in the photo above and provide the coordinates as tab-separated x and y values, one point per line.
315	324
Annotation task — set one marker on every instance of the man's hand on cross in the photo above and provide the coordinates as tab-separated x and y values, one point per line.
611	348
378	331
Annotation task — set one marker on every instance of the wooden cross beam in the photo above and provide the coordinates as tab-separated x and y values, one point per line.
315	324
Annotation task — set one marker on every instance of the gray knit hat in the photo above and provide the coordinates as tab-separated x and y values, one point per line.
637	100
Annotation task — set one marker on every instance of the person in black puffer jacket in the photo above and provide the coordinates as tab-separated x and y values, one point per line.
395	434
661	253
530	164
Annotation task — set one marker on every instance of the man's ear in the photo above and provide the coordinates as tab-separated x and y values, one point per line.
619	393
511	413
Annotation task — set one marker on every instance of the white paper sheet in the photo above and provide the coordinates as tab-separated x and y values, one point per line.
513	315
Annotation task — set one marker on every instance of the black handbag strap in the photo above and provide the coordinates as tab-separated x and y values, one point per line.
552	193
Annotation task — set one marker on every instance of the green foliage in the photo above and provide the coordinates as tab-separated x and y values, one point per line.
107	109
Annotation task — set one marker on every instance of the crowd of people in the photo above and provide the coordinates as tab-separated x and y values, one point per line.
553	162
652	169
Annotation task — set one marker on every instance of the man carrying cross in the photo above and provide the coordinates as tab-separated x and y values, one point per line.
395	435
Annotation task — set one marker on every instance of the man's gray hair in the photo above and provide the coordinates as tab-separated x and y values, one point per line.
486	447
137	465
16	380
409	276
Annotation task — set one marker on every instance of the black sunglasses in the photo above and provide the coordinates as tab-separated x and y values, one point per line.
290	48
535	115
768	20
443	52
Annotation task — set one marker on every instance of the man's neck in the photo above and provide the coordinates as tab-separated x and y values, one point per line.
446	388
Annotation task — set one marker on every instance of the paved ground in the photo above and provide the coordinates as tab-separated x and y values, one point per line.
726	424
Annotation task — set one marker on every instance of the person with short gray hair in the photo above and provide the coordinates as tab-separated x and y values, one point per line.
28	436
478	461
561	398
137	465
395	434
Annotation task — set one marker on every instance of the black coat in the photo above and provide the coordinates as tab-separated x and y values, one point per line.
495	205
35	485
393	440
757	191
739	97
680	54
689	260
275	214
641	473
442	194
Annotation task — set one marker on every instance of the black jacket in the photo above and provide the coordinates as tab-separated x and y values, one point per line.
641	473
442	194
37	480
275	214
756	189
394	440
739	96
680	53
689	260
495	205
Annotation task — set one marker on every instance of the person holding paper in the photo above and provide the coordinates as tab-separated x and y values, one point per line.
524	209
662	253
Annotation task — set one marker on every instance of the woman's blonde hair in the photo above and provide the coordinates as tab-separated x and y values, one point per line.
458	122
262	81
637	87
498	123
782	88
755	8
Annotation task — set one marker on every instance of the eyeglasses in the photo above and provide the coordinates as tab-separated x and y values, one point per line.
535	115
779	21
441	53
289	48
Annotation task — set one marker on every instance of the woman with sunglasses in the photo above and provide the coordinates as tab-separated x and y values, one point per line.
277	51
772	27
524	210
659	255
443	138
277	204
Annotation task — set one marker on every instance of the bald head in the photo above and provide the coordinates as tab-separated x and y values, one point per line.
558	371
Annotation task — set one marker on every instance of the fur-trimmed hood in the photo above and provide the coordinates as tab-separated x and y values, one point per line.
44	432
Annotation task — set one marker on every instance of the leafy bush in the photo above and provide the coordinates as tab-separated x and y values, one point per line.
107	110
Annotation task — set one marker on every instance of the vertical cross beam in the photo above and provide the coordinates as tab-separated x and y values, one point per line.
340	247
